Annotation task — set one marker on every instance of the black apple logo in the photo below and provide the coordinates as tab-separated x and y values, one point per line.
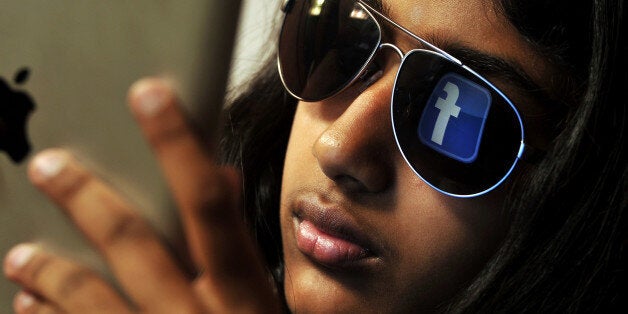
15	107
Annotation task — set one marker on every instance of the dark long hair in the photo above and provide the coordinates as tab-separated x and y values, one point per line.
566	248
255	138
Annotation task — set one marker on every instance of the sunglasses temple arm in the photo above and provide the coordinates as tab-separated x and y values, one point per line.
531	155
409	33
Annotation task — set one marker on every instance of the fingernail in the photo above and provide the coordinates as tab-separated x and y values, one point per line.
49	164
151	98
24	300
19	256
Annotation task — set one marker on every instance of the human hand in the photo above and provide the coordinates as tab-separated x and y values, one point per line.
232	277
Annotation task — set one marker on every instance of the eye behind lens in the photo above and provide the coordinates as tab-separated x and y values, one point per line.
455	130
324	46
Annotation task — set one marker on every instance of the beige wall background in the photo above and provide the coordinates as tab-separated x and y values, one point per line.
260	21
255	43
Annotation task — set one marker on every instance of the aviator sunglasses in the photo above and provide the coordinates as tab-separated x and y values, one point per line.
457	131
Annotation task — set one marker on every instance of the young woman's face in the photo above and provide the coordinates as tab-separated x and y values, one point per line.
361	232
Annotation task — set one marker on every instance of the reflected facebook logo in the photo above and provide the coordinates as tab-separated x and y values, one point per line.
454	118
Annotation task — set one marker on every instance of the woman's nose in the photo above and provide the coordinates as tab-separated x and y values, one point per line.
356	150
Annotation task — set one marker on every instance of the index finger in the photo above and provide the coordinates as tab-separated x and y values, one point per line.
181	152
188	164
208	196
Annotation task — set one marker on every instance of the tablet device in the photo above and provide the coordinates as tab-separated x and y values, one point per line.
65	68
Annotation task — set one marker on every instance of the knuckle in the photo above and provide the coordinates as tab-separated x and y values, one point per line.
127	227
57	278
171	130
35	272
72	185
72	281
64	188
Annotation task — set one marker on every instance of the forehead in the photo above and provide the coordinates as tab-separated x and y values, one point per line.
478	24
469	21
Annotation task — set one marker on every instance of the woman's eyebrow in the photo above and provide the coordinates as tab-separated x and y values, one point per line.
483	63
500	68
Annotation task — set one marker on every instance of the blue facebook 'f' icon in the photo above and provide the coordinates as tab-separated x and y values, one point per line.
454	117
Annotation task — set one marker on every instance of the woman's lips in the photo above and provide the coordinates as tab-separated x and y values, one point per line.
325	248
328	235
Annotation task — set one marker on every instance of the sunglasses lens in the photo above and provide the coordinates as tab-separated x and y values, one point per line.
455	130
324	45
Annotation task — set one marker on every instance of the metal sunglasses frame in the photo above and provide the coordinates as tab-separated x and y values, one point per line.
286	6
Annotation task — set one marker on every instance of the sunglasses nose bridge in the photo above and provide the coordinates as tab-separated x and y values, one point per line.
393	47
